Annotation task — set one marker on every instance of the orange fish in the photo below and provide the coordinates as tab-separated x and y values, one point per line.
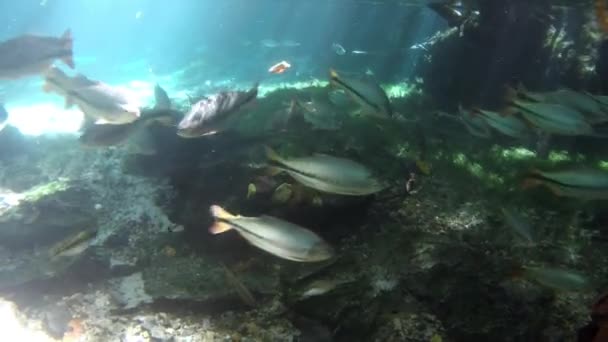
601	13
279	68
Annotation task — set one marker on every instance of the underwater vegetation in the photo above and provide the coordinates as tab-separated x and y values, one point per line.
464	202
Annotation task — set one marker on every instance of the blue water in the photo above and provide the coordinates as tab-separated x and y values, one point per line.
187	43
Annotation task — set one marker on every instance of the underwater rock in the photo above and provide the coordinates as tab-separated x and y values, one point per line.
191	282
44	214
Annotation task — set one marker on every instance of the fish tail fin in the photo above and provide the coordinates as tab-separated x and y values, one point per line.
68	43
219	227
424	167
510	94
530	182
220	213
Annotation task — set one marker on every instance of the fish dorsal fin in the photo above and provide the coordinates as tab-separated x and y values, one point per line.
161	98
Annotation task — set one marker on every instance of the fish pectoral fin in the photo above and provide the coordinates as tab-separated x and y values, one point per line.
272	154
272	171
131	109
219	227
46	87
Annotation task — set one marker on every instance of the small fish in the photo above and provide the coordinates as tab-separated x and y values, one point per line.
556	278
30	55
3	117
369	95
328	174
319	288
578	183
97	100
338	49
269	43
519	224
210	115
74	244
279	68
275	236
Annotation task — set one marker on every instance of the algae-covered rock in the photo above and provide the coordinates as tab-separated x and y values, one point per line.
45	214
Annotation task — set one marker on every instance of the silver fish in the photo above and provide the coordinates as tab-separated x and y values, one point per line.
29	54
508	125
97	100
328	174
210	115
369	95
555	118
586	184
281	238
519	224
557	278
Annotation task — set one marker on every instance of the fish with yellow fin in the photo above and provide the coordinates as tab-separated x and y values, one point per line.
328	173
273	235
589	184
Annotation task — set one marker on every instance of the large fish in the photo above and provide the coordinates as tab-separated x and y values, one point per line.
555	118
281	238
30	55
211	115
579	183
586	104
97	100
369	95
111	135
328	174
508	125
